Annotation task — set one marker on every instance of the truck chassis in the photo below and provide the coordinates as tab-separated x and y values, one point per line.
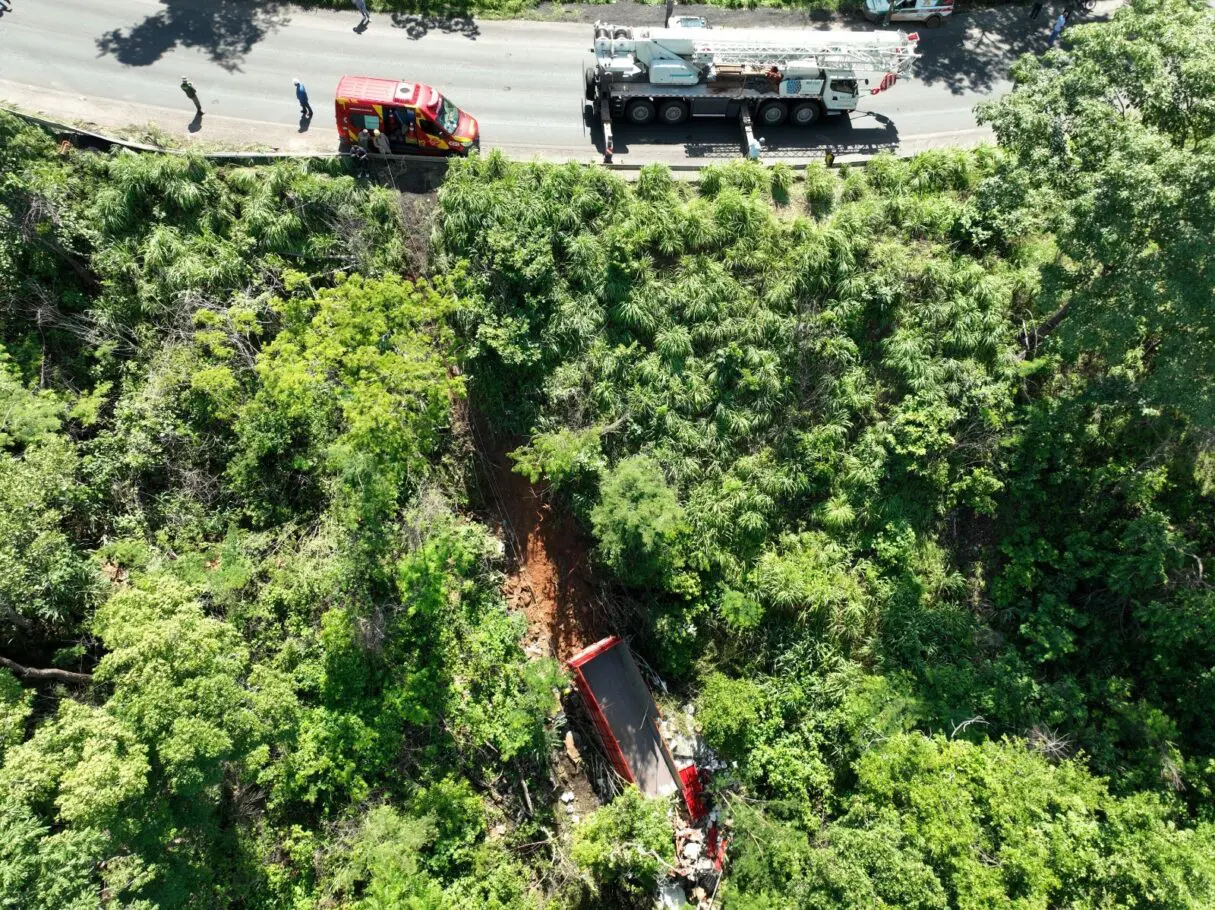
643	104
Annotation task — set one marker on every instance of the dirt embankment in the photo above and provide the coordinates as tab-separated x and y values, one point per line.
548	570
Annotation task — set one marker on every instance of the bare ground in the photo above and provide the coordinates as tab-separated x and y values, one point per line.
548	571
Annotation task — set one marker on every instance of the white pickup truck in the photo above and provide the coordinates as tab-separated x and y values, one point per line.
932	13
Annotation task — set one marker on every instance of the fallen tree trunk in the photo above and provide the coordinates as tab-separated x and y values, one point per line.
66	676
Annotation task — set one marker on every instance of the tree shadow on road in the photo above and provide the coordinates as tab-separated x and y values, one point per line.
975	51
454	19
226	30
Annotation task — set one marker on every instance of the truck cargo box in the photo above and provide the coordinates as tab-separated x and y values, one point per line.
624	713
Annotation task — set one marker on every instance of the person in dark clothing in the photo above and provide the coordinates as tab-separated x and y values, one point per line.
192	93
301	95
1036	10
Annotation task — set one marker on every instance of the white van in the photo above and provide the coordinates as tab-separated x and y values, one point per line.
931	12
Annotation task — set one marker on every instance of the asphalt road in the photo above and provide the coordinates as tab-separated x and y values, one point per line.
115	63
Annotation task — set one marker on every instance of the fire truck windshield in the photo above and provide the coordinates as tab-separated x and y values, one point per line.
449	116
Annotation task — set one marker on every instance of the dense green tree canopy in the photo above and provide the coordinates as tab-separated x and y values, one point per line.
902	477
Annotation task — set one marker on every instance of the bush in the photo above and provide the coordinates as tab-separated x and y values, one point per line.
624	847
638	522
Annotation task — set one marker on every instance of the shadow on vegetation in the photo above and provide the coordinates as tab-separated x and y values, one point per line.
225	29
452	20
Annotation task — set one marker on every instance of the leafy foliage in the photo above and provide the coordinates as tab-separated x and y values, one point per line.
624	848
226	505
1118	133
938	823
904	476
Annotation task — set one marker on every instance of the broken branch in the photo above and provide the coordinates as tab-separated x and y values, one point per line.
66	676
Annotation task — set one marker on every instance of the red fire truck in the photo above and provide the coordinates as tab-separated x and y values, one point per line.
414	117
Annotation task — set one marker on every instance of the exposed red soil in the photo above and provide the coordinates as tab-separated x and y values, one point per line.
549	577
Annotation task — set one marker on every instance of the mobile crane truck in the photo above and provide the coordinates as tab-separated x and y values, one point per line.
799	76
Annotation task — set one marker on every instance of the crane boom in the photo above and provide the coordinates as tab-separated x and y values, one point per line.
887	57
886	52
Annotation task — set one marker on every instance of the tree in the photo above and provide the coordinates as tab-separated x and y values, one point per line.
1110	144
938	823
638	521
45	581
355	389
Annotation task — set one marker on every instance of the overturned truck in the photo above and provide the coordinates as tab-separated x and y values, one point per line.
627	720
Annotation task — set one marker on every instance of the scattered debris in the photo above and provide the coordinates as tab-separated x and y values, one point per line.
567	797
671	896
527	798
571	748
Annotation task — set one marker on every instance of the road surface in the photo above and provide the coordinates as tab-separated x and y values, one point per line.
118	63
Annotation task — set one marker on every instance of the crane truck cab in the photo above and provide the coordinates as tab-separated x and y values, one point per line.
932	13
414	117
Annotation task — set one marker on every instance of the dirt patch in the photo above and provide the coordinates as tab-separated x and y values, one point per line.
574	797
548	572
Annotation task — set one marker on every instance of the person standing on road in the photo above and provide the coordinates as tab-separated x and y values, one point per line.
361	6
1036	10
301	95
1056	30
192	93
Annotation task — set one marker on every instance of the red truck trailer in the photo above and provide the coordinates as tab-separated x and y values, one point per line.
626	718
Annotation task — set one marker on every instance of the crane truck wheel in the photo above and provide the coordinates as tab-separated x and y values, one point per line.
589	76
640	111
773	113
934	21
673	112
806	114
